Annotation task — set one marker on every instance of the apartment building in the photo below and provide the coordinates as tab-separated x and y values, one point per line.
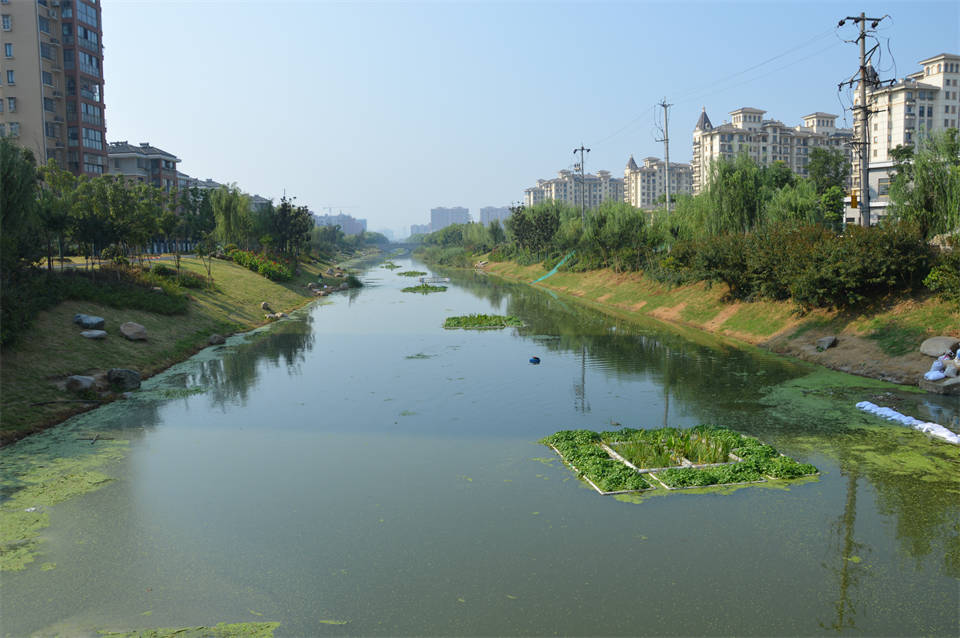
491	213
51	81
567	187
348	224
644	185
764	140
419	229
901	114
144	163
185	181
441	217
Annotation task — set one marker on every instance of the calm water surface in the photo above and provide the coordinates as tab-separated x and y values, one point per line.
358	463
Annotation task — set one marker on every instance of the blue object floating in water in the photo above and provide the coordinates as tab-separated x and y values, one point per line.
534	360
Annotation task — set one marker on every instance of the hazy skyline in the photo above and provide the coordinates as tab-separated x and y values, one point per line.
386	110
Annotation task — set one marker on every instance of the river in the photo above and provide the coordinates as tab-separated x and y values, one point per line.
359	470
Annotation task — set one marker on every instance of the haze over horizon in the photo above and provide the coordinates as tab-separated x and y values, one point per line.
386	110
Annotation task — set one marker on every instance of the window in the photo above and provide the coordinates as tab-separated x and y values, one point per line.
14	129
883	186
47	52
47	77
48	105
92	139
68	58
44	25
73	136
3	130
11	78
50	129
7	50
5	21
86	13
92	163
66	8
12	104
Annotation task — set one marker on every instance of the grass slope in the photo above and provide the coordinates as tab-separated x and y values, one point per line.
53	348
880	341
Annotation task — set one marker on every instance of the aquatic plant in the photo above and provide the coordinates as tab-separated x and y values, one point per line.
390	265
412	273
482	321
424	289
580	449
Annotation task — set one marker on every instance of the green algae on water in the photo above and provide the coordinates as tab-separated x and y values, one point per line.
35	477
220	630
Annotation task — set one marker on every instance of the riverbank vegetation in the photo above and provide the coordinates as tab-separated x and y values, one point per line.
48	214
705	455
482	322
762	232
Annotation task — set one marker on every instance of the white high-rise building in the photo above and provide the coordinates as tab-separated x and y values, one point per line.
567	186
765	141
644	185
901	114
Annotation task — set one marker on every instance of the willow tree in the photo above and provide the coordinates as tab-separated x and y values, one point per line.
231	209
926	186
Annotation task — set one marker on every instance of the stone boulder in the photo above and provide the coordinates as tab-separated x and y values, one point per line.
826	342
936	346
123	378
217	340
133	331
79	383
89	322
265	306
94	334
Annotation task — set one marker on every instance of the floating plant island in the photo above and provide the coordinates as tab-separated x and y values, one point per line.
482	322
632	460
424	289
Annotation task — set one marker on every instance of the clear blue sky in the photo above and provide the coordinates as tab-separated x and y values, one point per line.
387	110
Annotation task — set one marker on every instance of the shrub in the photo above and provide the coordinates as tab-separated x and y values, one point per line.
944	278
272	270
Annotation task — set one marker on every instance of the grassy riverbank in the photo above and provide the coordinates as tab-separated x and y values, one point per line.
53	349
880	342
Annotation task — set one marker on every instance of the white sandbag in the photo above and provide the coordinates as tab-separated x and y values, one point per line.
933	429
934	375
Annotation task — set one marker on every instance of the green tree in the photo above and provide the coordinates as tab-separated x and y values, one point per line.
18	207
828	167
57	194
926	185
497	234
231	209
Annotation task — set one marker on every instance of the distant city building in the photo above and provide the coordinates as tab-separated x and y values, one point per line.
764	141
420	229
644	185
901	114
184	182
442	217
51	85
258	203
144	163
490	213
349	225
566	188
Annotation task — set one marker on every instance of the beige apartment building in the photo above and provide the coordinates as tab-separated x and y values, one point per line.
765	141
567	188
144	163
51	81
901	114
644	185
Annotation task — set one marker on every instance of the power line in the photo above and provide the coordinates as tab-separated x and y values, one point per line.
707	89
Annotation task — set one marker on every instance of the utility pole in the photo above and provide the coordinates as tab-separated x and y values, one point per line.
863	114
583	184
666	147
